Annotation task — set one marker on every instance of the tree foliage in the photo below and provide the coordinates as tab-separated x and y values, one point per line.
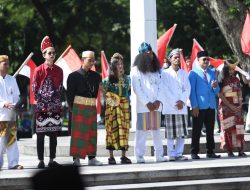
102	25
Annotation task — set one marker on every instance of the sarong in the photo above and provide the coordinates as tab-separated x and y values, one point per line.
8	129
148	121
117	123
83	129
176	126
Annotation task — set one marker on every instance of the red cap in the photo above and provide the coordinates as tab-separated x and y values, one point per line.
46	43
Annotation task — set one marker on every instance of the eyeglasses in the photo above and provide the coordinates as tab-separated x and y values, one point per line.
51	53
205	59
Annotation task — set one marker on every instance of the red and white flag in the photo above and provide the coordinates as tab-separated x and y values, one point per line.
183	62
162	43
104	65
217	63
195	49
245	36
69	61
27	69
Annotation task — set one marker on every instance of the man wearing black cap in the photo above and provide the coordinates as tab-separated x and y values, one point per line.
204	89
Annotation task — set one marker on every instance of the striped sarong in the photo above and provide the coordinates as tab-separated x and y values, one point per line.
176	126
8	129
117	123
83	131
148	121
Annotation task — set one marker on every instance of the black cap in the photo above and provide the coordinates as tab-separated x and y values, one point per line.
202	54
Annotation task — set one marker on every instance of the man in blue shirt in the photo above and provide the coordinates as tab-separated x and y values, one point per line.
204	89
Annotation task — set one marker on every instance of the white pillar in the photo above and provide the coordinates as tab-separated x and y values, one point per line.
142	29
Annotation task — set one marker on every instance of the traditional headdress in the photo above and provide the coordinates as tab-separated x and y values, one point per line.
144	47
88	54
46	43
173	52
4	58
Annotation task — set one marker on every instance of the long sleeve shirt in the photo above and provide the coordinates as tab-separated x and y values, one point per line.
146	87
9	92
175	86
203	95
42	72
82	83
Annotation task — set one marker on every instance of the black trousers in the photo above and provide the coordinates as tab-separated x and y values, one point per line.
206	117
52	144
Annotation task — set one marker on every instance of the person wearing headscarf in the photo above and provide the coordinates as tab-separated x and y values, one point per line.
9	97
230	111
82	91
175	91
47	85
146	79
204	89
117	118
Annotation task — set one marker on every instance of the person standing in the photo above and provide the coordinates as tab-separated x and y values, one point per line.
82	91
175	90
204	89
117	118
9	96
47	86
230	111
146	79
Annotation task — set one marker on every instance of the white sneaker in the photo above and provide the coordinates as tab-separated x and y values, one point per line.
172	158
140	159
94	162
181	158
161	159
77	162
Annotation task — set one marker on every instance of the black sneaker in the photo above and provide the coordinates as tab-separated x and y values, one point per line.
125	160
112	161
242	154
54	164
212	155
41	165
230	154
195	156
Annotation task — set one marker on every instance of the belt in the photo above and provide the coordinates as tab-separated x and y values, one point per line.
230	94
85	101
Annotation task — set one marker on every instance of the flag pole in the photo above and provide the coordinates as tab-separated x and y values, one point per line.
23	64
198	44
63	53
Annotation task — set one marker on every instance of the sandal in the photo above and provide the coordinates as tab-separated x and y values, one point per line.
125	160
17	167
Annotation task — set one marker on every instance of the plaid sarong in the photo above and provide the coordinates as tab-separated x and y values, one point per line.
148	121
176	126
8	129
83	131
117	123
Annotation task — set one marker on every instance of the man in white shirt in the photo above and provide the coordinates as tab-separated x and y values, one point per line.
146	78
9	96
175	92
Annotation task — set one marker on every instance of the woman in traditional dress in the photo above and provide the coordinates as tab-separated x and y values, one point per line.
230	109
117	118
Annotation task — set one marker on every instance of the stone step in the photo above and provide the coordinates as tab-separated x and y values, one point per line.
241	183
155	174
199	174
28	146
